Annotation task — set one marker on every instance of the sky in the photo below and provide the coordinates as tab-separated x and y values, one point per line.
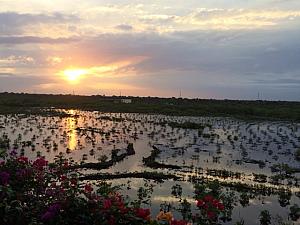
223	49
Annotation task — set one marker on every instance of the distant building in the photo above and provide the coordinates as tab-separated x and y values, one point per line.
126	100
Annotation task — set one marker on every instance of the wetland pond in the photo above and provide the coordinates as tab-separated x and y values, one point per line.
255	161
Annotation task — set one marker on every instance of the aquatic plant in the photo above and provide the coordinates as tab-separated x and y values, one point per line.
265	217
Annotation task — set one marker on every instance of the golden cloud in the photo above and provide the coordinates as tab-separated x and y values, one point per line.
236	18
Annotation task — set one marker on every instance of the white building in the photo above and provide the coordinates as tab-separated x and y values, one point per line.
126	101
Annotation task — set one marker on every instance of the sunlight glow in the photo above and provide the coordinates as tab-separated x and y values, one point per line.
73	75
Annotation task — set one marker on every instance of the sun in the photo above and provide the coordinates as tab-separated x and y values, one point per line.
74	75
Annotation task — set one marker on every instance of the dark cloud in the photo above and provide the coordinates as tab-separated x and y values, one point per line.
13	23
220	60
280	81
124	27
5	74
11	19
225	64
22	83
224	53
34	40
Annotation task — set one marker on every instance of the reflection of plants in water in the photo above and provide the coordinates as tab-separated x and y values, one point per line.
242	222
265	217
166	206
144	195
185	210
4	142
229	203
214	187
244	199
294	212
214	205
103	158
284	197
93	130
177	190
105	189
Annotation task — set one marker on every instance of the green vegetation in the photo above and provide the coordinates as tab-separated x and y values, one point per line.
284	169
265	217
104	164
150	161
21	103
145	175
295	212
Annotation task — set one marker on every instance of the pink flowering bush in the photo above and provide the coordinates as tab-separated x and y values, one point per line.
38	192
212	204
179	222
41	193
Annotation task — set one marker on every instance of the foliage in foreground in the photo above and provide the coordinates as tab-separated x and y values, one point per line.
38	192
41	193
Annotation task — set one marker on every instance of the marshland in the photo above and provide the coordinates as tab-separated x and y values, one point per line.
159	158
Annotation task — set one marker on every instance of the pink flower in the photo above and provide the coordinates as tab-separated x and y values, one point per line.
107	204
23	173
178	222
66	164
73	182
22	159
143	213
215	203
40	163
221	206
211	215
200	203
208	198
88	188
63	177
4	178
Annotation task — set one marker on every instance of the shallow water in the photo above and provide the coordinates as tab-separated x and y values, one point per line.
234	143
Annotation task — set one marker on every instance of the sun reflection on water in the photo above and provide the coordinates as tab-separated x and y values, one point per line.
71	126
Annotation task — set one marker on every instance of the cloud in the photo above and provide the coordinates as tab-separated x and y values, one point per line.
124	27
292	82
218	18
5	74
221	51
220	65
14	40
12	19
12	23
13	60
21	82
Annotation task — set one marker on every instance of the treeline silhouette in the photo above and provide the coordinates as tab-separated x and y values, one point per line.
282	110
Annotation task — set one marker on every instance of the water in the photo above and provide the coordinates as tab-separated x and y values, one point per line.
234	143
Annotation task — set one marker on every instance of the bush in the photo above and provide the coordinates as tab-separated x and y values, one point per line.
38	192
